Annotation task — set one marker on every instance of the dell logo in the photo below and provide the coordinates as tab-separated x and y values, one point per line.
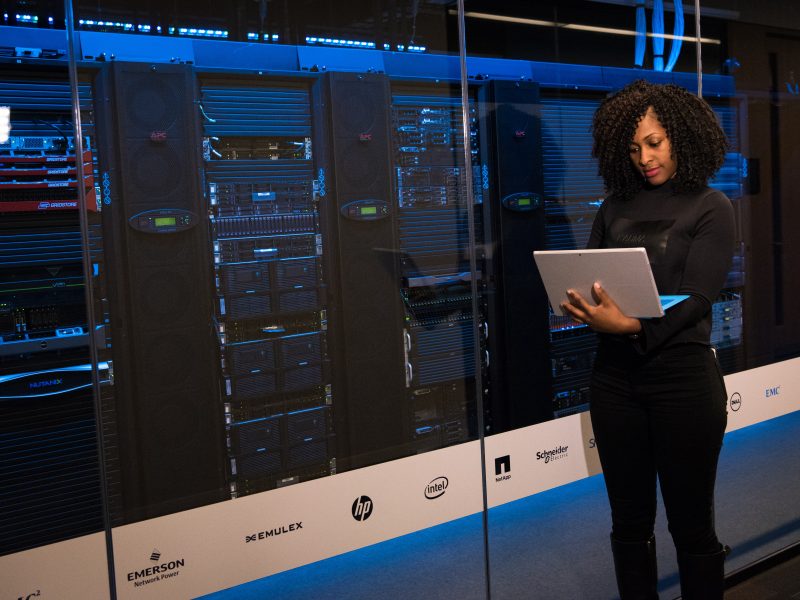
735	401
362	508
774	391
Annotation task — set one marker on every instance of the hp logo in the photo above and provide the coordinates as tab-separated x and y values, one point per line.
362	508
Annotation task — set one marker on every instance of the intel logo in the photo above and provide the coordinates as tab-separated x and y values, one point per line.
436	488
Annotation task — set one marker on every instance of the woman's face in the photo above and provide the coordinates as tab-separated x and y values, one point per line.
651	151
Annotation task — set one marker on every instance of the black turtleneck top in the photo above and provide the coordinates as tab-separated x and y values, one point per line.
689	240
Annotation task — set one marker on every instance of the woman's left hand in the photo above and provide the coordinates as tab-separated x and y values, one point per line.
606	317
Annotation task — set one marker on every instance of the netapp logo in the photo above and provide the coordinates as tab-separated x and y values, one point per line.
155	573
502	467
550	455
735	401
436	488
773	391
275	532
362	508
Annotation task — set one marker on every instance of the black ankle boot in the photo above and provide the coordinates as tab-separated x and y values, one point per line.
635	566
702	575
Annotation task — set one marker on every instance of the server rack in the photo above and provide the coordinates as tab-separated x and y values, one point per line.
49	469
573	193
434	246
271	297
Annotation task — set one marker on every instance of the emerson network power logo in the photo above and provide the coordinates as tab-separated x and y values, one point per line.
160	572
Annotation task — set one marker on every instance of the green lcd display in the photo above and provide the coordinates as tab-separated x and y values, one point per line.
165	221
369	210
524	202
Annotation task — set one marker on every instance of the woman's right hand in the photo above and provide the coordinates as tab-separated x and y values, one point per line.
606	317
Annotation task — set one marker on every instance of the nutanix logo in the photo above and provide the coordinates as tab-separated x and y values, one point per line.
502	468
274	532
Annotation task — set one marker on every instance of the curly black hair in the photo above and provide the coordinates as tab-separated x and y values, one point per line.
696	138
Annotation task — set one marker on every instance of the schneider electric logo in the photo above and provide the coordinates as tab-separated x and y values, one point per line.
362	508
274	532
502	468
551	455
165	570
436	488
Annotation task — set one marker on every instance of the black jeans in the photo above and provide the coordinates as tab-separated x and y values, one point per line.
660	416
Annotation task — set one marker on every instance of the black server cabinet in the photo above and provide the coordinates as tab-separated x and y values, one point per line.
168	418
520	389
353	144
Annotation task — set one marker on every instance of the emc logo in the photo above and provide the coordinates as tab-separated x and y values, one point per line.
774	391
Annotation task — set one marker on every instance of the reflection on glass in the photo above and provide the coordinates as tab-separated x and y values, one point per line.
590	32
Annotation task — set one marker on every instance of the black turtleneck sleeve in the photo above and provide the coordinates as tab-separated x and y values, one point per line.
689	240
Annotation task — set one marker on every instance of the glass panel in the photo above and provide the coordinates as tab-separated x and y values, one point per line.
50	472
291	294
547	67
761	51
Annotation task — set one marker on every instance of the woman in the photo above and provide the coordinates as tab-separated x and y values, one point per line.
658	399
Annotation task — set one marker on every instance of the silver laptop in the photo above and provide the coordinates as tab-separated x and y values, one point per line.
623	272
